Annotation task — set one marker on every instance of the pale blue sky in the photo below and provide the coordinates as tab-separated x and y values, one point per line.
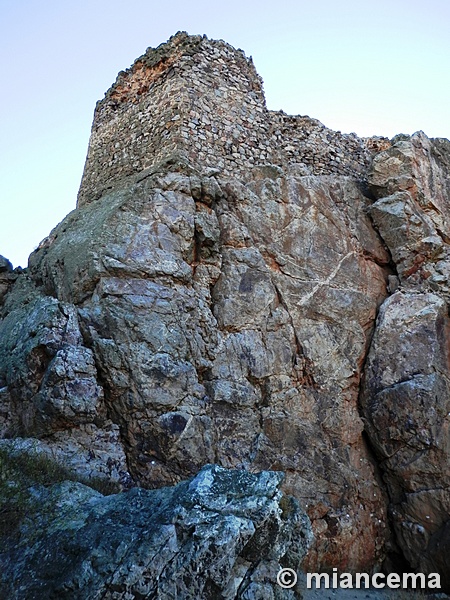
370	67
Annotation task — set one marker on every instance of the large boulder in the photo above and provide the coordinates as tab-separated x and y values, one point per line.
406	400
222	534
406	395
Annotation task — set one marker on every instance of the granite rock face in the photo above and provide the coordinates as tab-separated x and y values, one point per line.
406	396
219	535
214	299
412	213
229	323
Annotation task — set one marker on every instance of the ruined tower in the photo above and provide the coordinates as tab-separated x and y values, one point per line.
201	102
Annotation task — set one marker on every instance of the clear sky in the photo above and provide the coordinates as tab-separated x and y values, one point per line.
379	67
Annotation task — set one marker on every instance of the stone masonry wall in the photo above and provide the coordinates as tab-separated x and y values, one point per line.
201	101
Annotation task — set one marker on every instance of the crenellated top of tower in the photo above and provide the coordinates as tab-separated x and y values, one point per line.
201	102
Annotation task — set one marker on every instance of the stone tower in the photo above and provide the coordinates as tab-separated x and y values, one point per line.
201	102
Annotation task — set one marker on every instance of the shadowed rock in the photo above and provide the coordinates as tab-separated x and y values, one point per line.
220	535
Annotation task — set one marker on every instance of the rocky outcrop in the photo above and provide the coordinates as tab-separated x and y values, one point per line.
214	299
7	276
51	392
412	213
229	323
219	535
406	396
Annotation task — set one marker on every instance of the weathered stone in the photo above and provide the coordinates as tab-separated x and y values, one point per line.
225	329
49	387
88	451
5	265
221	534
413	211
406	400
7	277
49	373
406	396
212	112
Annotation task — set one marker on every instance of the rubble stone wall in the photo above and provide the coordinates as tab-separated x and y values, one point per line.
202	101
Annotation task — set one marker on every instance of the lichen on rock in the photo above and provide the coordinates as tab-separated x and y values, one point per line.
221	534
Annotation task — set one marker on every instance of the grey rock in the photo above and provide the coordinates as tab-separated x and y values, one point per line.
7	277
220	534
49	386
406	394
406	401
91	453
413	210
5	265
49	373
225	329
